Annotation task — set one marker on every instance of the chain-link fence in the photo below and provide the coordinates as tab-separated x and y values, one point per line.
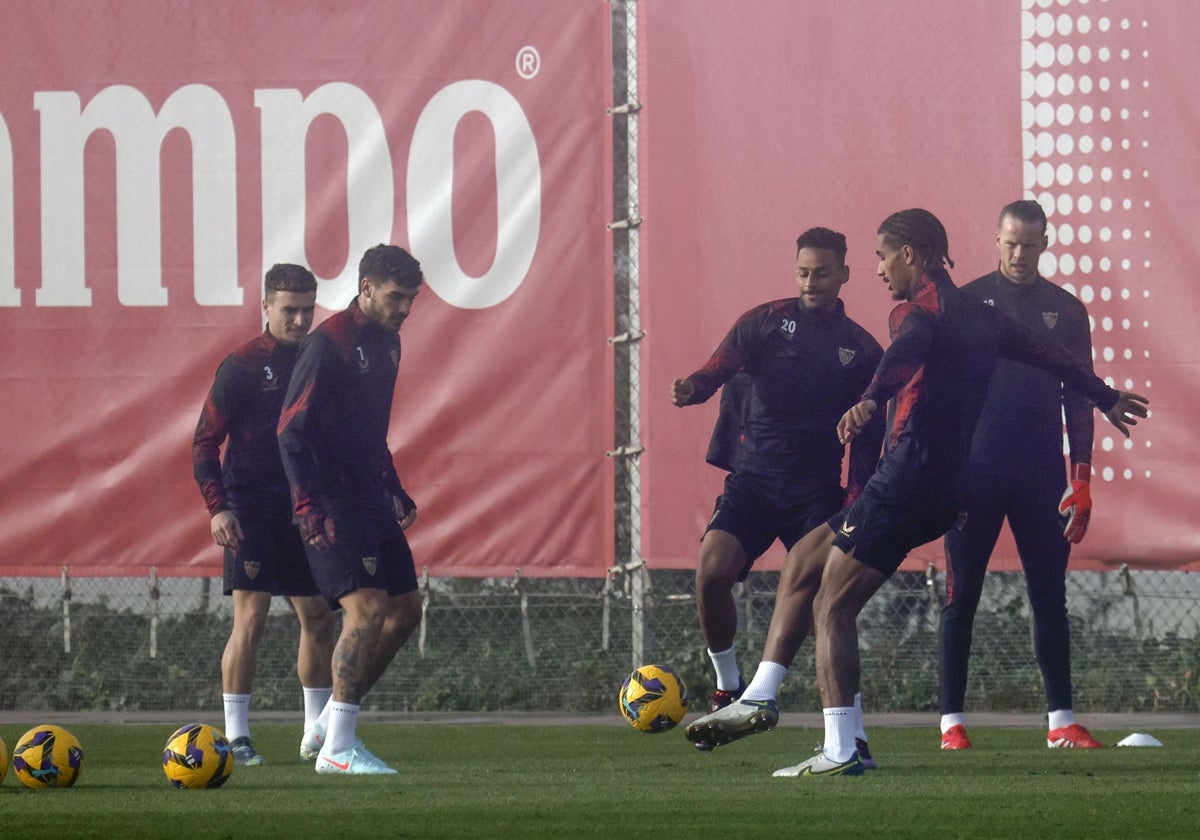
564	645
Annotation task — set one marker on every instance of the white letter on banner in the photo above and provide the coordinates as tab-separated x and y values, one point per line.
10	295
430	184
370	197
138	135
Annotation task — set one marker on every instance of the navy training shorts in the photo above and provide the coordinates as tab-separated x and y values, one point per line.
369	552
881	533
270	557
757	520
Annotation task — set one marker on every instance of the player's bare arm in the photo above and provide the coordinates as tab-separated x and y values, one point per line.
226	530
854	420
682	391
1126	411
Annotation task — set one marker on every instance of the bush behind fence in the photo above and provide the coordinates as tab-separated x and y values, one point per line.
564	645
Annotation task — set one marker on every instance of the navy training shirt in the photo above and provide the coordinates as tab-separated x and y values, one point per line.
243	406
944	350
1020	429
802	369
334	423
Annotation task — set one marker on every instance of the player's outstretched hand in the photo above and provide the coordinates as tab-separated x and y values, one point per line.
1127	409
682	391
855	419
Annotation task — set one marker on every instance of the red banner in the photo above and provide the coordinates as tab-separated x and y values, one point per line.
760	125
156	157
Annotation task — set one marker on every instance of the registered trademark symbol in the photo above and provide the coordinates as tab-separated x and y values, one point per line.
529	62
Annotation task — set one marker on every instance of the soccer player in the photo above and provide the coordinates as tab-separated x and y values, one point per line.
349	503
935	374
250	505
790	369
1016	473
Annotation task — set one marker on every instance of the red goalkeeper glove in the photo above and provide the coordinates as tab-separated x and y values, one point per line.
1076	504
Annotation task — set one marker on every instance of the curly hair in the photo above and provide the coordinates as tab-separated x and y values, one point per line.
921	230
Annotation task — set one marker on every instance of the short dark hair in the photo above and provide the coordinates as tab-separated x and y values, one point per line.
385	263
921	230
1027	210
288	277
825	239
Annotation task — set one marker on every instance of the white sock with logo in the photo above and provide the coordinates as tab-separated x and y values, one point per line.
339	735
839	732
237	715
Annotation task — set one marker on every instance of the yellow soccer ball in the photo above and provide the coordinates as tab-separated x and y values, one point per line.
47	757
653	698
197	756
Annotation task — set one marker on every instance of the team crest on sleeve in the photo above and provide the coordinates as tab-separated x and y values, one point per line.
846	355
1050	319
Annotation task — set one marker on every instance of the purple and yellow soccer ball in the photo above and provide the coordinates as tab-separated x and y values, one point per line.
47	756
197	756
653	699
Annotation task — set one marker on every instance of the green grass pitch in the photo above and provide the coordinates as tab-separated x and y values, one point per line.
497	781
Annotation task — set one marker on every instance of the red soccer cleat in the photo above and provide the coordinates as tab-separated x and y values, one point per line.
955	738
1073	736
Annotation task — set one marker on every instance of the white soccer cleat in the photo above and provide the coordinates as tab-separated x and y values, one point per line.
356	761
822	765
311	742
739	719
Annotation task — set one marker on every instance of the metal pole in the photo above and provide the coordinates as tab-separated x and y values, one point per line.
66	610
627	332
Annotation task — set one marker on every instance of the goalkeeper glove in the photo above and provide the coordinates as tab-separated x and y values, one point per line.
1076	504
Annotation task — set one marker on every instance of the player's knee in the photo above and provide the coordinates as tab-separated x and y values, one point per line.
715	576
405	613
248	628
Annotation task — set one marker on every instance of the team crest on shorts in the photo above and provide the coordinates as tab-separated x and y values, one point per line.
371	564
845	355
1050	319
252	568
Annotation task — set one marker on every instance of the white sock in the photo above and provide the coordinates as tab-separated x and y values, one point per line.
766	682
314	703
956	719
1061	717
339	735
839	732
859	732
725	664
237	715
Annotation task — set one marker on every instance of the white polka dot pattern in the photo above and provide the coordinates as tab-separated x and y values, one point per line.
1087	161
